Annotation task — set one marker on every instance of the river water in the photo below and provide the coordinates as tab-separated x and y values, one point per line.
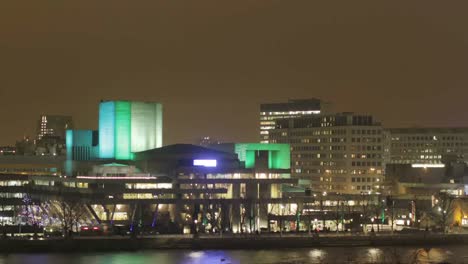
451	254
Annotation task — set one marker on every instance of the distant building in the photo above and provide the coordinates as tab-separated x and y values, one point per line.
207	141
334	152
427	180
82	144
53	126
428	145
26	146
7	150
51	133
272	112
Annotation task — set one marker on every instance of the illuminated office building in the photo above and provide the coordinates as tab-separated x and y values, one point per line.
272	112
428	145
334	152
126	127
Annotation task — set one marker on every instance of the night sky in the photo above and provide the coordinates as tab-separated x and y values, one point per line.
212	62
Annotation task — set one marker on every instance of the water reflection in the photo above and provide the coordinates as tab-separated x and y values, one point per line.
431	255
317	255
375	255
209	256
453	254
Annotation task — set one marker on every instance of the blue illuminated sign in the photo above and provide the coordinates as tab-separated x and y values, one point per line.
204	163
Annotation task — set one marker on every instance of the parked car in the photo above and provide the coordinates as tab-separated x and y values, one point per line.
90	231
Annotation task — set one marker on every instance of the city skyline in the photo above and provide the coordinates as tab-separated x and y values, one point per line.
249	128
211	66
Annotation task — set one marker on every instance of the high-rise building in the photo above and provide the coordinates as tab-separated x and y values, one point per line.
341	152
54	126
428	145
126	127
272	112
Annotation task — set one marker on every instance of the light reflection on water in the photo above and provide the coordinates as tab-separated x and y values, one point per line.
452	254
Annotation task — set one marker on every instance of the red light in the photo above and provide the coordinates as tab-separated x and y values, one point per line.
85	228
95	228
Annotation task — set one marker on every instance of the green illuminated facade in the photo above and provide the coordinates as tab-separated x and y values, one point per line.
279	155
126	127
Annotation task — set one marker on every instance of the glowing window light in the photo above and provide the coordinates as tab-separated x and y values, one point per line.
428	166
205	163
116	177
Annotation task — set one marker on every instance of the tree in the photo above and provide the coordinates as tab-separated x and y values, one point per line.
442	210
378	210
366	208
71	208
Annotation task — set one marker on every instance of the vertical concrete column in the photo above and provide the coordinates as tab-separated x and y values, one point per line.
235	211
265	195
251	189
225	215
299	216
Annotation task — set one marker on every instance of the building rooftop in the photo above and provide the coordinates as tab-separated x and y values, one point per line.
423	130
183	150
293	105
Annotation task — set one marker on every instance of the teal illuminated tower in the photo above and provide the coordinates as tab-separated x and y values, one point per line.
126	127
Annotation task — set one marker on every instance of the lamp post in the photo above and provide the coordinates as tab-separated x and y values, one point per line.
281	219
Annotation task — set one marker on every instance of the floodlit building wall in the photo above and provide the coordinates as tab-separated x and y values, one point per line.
107	130
126	127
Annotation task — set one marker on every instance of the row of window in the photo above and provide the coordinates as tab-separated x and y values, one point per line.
366	156
363	187
317	140
424	151
366	140
321	156
315	132
456	144
368	179
366	132
365	148
370	171
428	138
401	160
366	163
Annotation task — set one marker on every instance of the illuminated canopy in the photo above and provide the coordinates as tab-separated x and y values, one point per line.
279	155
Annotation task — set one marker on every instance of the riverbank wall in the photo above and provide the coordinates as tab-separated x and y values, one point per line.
100	244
